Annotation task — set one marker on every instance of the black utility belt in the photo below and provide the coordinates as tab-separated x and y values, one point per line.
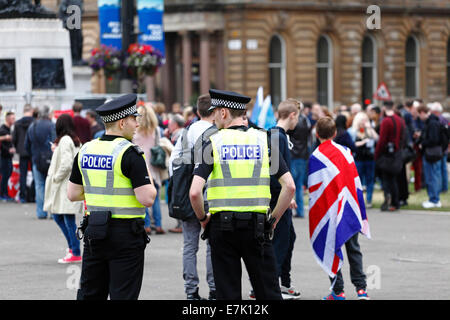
236	215
96	225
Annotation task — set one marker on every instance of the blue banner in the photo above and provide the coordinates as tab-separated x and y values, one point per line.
150	14
109	20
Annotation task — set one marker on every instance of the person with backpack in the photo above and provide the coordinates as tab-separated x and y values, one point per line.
184	150
436	109
38	142
18	137
432	142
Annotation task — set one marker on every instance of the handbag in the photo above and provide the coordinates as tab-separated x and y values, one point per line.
157	154
391	161
433	154
408	154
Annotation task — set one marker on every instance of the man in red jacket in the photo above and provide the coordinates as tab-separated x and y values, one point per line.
82	126
391	129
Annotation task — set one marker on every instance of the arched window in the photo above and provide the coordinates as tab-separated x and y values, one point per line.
324	72
448	67
277	69
411	67
368	68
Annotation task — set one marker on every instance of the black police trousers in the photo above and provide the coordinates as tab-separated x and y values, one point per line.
227	250
114	266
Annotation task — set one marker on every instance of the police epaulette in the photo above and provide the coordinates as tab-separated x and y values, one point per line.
138	149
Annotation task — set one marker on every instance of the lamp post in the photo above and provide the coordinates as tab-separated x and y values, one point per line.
127	11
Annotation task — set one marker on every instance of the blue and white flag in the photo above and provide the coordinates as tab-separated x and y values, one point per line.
258	105
266	118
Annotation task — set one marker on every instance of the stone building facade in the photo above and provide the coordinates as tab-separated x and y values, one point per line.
313	50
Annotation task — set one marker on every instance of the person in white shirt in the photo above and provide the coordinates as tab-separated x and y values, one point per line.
192	227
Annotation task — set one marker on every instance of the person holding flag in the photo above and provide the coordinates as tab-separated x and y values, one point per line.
336	211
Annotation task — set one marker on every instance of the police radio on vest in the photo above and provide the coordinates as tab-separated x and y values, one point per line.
240	152
96	162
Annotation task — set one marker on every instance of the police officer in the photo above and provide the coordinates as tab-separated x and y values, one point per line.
110	173
238	194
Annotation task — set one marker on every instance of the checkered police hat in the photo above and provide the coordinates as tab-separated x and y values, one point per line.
228	99
118	108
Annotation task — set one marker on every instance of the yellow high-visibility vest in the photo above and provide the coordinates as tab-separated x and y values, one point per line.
240	180
105	186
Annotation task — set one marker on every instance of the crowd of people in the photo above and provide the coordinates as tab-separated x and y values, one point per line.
47	148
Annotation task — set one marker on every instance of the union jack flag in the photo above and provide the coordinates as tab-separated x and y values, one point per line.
336	204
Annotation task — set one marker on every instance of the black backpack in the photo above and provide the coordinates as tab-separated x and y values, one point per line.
44	158
182	174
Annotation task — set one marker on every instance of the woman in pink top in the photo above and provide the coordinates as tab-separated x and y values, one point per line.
145	138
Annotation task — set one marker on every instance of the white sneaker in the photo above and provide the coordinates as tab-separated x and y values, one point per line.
289	293
429	204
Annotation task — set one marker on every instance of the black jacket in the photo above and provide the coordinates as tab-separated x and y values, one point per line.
19	134
300	138
431	133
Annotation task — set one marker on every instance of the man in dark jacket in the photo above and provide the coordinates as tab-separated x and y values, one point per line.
6	152
300	138
429	138
18	138
38	141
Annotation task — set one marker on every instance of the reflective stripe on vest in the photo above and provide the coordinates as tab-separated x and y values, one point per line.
105	186
240	180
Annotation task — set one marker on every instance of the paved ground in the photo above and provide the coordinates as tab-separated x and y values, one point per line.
407	258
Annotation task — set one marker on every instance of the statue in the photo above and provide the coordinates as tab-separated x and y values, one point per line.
24	9
76	36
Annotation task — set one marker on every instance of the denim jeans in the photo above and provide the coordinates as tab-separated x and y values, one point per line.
39	184
298	169
433	179
366	171
6	165
191	234
68	227
444	174
156	211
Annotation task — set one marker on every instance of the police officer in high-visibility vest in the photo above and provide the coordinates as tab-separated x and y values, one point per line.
111	174
238	193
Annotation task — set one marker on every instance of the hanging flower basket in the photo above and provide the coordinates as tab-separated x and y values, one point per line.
106	58
143	60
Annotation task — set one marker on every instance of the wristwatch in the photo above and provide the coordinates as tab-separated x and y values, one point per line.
204	218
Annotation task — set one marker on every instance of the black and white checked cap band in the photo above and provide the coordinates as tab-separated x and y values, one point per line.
120	115
118	108
228	99
227	104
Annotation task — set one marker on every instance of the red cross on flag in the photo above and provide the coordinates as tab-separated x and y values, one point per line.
382	93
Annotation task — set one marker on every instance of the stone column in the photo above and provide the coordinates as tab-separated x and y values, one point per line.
220	62
149	82
204	62
187	66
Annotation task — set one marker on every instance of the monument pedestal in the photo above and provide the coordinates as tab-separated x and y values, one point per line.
41	52
82	79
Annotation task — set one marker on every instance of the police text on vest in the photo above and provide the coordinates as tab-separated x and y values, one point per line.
240	152
96	162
